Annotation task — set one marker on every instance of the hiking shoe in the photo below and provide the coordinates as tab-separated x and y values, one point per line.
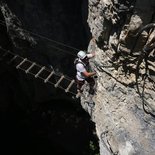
92	91
79	91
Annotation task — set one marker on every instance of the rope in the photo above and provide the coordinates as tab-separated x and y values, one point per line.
45	69
53	41
144	56
43	37
59	74
60	50
137	35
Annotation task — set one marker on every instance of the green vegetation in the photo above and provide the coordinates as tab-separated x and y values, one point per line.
94	150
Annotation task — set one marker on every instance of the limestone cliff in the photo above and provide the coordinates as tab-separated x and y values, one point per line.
124	99
123	106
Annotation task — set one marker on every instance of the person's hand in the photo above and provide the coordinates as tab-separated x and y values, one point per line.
94	73
93	40
93	54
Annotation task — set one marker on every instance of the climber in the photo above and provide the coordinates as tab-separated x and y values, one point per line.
83	74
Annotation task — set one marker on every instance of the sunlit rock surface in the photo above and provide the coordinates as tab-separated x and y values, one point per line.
123	114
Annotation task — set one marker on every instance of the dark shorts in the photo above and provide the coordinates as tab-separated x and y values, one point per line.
90	80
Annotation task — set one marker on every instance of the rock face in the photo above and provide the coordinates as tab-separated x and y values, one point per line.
124	108
124	98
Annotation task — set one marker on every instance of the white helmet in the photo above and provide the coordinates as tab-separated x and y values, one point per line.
81	54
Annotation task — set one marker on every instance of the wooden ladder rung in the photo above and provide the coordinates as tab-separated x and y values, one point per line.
12	59
49	76
21	63
61	78
69	86
78	95
40	71
33	64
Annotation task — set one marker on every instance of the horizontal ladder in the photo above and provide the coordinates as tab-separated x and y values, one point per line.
30	67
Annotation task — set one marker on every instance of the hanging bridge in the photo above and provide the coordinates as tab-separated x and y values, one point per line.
47	75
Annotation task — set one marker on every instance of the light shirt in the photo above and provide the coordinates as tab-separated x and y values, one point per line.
80	67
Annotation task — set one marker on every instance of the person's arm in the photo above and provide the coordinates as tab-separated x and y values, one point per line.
88	74
83	71
91	55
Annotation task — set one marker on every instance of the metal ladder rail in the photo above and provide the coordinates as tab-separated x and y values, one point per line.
9	57
58	82
4	55
11	60
31	73
37	75
55	84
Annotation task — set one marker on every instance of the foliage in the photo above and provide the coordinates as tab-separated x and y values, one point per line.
93	148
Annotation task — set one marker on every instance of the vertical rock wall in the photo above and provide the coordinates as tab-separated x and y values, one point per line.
124	99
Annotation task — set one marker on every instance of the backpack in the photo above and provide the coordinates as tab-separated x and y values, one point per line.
76	61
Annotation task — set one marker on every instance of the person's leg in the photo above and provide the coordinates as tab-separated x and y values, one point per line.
91	82
79	85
